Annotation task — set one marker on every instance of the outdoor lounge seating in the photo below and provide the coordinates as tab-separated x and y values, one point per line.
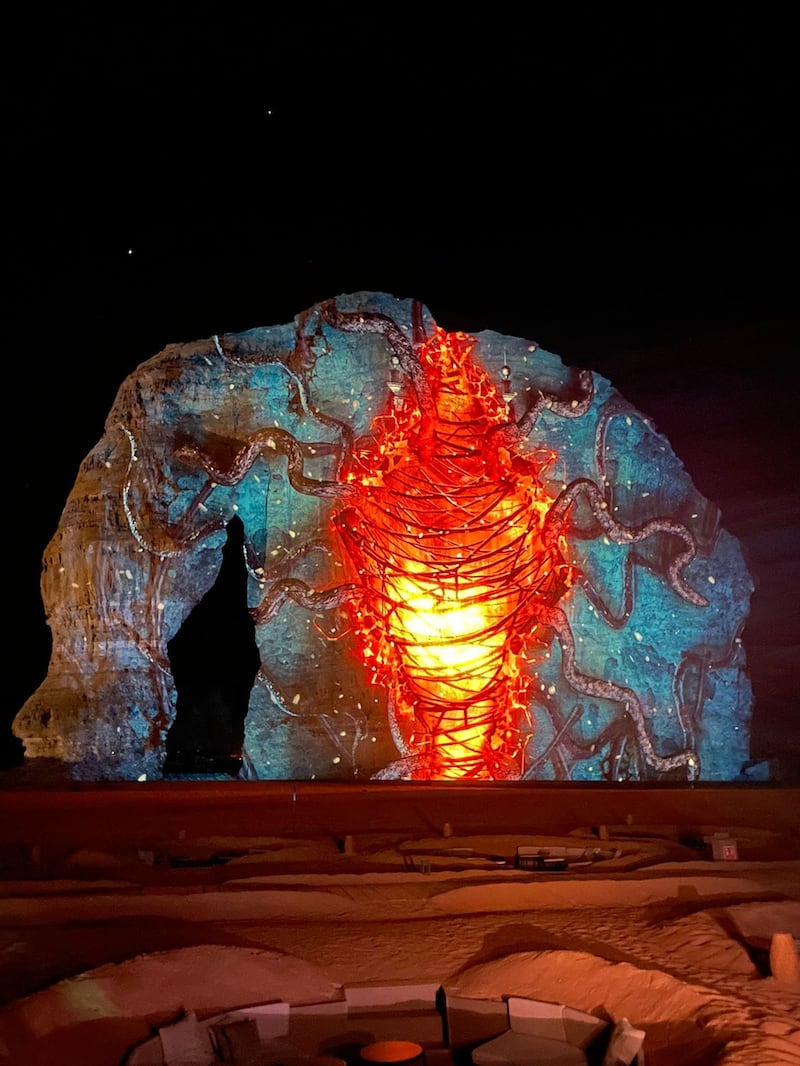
513	1031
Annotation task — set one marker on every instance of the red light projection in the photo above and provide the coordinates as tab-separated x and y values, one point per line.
460	558
448	542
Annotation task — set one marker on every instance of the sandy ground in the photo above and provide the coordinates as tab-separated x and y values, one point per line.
101	951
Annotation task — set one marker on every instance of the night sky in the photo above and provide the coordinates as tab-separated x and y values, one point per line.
620	186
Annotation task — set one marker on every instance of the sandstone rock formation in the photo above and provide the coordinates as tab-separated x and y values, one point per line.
256	426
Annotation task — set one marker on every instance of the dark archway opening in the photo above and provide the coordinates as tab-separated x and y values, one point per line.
214	659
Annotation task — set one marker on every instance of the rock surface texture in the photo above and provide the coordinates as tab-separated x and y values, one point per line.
638	674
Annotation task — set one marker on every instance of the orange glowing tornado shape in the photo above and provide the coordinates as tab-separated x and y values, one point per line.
446	539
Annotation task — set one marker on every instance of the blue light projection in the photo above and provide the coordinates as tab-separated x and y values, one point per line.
639	675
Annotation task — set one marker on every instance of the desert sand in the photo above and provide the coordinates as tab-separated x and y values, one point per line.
99	953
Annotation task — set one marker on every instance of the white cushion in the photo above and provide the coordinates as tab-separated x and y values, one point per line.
523	1049
186	1043
625	1044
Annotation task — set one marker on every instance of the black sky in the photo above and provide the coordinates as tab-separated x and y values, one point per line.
619	185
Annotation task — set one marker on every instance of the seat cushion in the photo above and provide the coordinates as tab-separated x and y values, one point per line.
525	1049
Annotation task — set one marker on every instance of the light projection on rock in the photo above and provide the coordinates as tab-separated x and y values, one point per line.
465	562
449	542
463	557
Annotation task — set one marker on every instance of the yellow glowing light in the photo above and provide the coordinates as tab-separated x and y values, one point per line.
448	544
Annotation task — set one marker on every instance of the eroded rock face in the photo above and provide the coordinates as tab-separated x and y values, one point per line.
214	660
643	681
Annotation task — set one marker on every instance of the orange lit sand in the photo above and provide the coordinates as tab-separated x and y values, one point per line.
657	935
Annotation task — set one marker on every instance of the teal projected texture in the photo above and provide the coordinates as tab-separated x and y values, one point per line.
638	674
